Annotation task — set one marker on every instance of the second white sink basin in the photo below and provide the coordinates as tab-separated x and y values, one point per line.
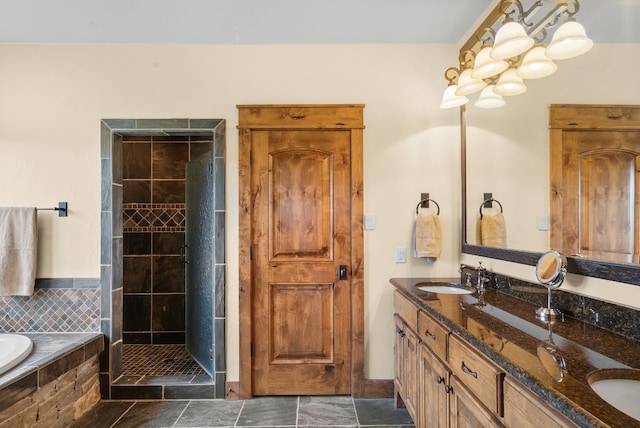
621	393
444	289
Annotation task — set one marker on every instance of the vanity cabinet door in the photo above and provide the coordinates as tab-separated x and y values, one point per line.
466	411
480	375
524	409
406	367
434	390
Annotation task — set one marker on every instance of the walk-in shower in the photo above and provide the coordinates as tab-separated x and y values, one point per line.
148	252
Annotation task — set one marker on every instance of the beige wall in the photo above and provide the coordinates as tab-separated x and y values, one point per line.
52	99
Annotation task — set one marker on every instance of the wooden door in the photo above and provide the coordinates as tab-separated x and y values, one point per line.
301	212
301	238
595	183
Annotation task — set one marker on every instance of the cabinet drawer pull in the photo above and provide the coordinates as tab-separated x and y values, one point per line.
468	371
429	335
401	333
447	389
440	379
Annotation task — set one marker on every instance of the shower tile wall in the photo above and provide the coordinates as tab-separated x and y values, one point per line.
154	234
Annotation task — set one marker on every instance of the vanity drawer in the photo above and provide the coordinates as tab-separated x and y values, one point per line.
433	334
480	375
406	309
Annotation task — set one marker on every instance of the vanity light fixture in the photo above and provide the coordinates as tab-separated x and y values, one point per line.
518	51
489	99
466	83
484	65
450	99
511	39
569	41
510	84
536	64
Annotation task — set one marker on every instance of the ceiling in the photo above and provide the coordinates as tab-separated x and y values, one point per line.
278	21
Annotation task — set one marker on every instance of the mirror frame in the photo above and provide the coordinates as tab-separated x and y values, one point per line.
619	272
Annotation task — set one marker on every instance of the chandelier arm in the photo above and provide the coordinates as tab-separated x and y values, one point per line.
549	20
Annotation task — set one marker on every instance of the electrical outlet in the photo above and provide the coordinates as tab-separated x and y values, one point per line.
401	255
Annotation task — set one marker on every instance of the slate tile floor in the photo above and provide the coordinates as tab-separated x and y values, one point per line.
303	411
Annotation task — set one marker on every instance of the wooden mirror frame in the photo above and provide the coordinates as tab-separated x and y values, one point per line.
620	272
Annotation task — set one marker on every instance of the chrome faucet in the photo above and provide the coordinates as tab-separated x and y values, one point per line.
482	278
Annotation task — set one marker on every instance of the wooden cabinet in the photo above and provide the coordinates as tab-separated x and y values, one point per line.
482	377
424	382
433	401
406	367
524	409
467	410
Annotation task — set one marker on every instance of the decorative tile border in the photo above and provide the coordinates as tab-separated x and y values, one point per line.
60	310
138	217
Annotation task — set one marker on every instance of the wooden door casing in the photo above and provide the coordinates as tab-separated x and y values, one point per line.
252	120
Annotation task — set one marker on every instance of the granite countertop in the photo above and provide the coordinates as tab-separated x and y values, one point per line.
507	331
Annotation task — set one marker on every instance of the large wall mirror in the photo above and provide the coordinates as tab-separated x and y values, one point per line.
506	151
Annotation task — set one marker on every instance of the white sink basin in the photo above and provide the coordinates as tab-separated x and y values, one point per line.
444	289
621	393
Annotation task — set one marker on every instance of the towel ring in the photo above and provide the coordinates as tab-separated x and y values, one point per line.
489	200
428	200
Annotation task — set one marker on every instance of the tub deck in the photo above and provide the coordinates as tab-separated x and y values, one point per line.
53	354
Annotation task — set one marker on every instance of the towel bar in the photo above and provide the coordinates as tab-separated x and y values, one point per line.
61	208
427	200
489	200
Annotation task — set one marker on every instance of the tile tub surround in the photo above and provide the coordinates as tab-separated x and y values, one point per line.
57	305
58	382
264	412
506	330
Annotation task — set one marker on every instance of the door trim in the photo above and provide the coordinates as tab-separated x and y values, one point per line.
301	117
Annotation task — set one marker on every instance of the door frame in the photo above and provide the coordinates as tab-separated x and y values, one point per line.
301	117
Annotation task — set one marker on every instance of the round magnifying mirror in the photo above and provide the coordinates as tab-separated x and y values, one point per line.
551	268
552	361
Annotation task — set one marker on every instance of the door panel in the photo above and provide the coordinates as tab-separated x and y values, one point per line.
601	181
300	236
200	268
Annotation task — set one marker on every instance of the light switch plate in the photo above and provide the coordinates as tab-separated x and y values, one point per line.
369	221
543	222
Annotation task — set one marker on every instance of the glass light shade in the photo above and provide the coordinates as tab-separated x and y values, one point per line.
511	40
570	40
451	100
468	85
485	66
510	84
536	64
489	99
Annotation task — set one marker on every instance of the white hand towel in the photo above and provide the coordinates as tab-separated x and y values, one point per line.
428	236
18	250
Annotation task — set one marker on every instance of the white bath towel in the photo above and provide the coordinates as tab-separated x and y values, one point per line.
428	236
18	250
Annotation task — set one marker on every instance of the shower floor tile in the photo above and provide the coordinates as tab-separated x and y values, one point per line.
158	360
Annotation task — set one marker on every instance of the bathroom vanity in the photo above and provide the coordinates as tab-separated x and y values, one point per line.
465	360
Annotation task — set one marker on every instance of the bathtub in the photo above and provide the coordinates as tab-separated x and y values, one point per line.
13	349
